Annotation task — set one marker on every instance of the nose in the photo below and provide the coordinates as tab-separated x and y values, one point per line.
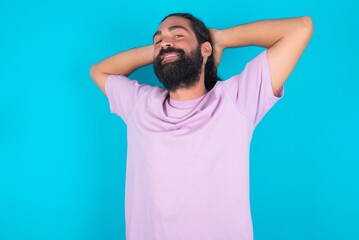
166	43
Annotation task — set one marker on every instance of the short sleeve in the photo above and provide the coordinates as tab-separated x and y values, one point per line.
252	89
123	93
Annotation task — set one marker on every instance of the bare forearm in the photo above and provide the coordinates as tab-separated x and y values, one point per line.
285	39
263	33
123	63
126	62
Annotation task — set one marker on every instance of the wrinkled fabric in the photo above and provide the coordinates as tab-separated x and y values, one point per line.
187	175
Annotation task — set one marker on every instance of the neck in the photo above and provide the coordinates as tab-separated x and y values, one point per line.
190	93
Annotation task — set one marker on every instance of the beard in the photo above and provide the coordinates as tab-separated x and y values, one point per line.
184	72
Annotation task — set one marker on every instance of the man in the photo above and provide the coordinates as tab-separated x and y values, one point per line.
188	144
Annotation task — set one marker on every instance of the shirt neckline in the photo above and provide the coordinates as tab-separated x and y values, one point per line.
185	103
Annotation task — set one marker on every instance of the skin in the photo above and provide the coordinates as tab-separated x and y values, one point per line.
285	39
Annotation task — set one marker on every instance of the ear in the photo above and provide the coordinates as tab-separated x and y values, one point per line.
206	49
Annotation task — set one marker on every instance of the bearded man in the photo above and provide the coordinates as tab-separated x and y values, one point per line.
187	175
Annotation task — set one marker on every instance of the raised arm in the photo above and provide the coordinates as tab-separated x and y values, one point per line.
285	39
123	63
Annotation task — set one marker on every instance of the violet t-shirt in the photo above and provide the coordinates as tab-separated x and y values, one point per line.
187	175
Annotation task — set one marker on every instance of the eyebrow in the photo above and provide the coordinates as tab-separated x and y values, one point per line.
170	29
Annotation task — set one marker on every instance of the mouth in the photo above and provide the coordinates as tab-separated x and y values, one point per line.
169	57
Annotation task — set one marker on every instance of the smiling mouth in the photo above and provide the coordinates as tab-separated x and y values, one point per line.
169	57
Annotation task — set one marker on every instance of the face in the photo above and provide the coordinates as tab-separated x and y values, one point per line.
174	32
177	54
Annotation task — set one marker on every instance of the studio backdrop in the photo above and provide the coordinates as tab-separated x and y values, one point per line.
63	154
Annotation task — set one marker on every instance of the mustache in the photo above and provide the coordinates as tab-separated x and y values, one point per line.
180	52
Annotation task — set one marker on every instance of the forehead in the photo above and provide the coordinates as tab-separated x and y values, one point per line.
174	21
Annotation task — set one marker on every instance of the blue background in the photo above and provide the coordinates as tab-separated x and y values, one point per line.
63	154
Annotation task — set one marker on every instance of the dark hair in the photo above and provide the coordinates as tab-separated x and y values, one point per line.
203	35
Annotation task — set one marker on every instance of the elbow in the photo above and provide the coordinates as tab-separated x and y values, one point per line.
93	71
307	25
303	29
